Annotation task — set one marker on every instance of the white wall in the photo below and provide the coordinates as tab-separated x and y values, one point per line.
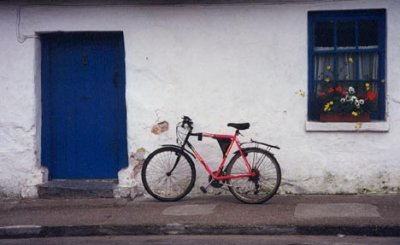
19	166
217	64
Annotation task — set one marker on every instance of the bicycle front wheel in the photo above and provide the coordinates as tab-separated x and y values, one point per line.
263	185
168	174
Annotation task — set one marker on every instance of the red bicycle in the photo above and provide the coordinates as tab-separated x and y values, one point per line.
252	175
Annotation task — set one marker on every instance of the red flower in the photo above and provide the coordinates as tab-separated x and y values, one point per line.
322	94
339	89
371	96
331	90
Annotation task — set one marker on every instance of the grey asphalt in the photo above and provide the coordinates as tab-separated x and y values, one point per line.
372	215
204	240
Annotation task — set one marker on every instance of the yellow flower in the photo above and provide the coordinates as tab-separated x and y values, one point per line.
354	113
367	86
327	79
328	106
350	59
328	67
347	76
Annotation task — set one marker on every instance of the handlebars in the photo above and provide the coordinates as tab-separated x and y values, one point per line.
187	121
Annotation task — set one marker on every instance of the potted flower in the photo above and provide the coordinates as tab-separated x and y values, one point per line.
339	104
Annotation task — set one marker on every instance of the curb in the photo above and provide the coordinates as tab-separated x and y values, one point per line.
27	231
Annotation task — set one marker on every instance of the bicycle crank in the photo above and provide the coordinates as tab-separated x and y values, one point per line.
213	182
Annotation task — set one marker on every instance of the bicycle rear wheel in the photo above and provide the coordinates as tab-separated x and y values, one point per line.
160	182
262	186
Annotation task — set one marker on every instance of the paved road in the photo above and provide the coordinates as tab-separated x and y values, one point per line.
206	240
357	215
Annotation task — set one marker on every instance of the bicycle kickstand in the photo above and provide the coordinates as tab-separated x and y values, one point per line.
204	189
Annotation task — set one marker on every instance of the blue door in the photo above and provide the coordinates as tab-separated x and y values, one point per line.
83	105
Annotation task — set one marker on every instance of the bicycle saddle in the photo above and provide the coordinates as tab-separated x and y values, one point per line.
239	126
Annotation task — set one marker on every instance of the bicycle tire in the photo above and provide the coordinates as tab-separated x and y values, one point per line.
268	176
166	187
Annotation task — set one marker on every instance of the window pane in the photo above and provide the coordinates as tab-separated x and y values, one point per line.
346	35
346	67
323	67
324	34
368	66
368	33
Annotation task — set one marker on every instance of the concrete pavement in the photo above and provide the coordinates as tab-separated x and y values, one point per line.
372	215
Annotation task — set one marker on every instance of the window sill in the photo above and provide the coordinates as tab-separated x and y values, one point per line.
347	127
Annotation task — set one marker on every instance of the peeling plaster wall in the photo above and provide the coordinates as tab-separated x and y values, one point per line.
216	63
19	167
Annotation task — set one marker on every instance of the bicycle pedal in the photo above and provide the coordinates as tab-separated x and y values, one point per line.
203	189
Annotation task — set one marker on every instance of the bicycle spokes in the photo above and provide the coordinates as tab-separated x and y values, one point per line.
168	174
264	181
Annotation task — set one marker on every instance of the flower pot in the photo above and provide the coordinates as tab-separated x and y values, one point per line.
347	117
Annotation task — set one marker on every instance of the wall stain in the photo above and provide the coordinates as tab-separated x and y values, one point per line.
301	93
138	159
160	128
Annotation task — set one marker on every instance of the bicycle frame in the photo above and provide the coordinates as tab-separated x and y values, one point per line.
251	173
217	175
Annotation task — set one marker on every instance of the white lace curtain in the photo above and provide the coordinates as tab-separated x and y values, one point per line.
346	67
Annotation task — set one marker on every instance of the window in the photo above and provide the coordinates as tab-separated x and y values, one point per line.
346	61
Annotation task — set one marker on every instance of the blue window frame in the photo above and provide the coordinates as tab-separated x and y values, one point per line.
346	60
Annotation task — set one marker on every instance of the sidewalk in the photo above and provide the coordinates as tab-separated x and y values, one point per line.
375	215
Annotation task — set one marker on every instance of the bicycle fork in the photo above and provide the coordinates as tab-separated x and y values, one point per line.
179	155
